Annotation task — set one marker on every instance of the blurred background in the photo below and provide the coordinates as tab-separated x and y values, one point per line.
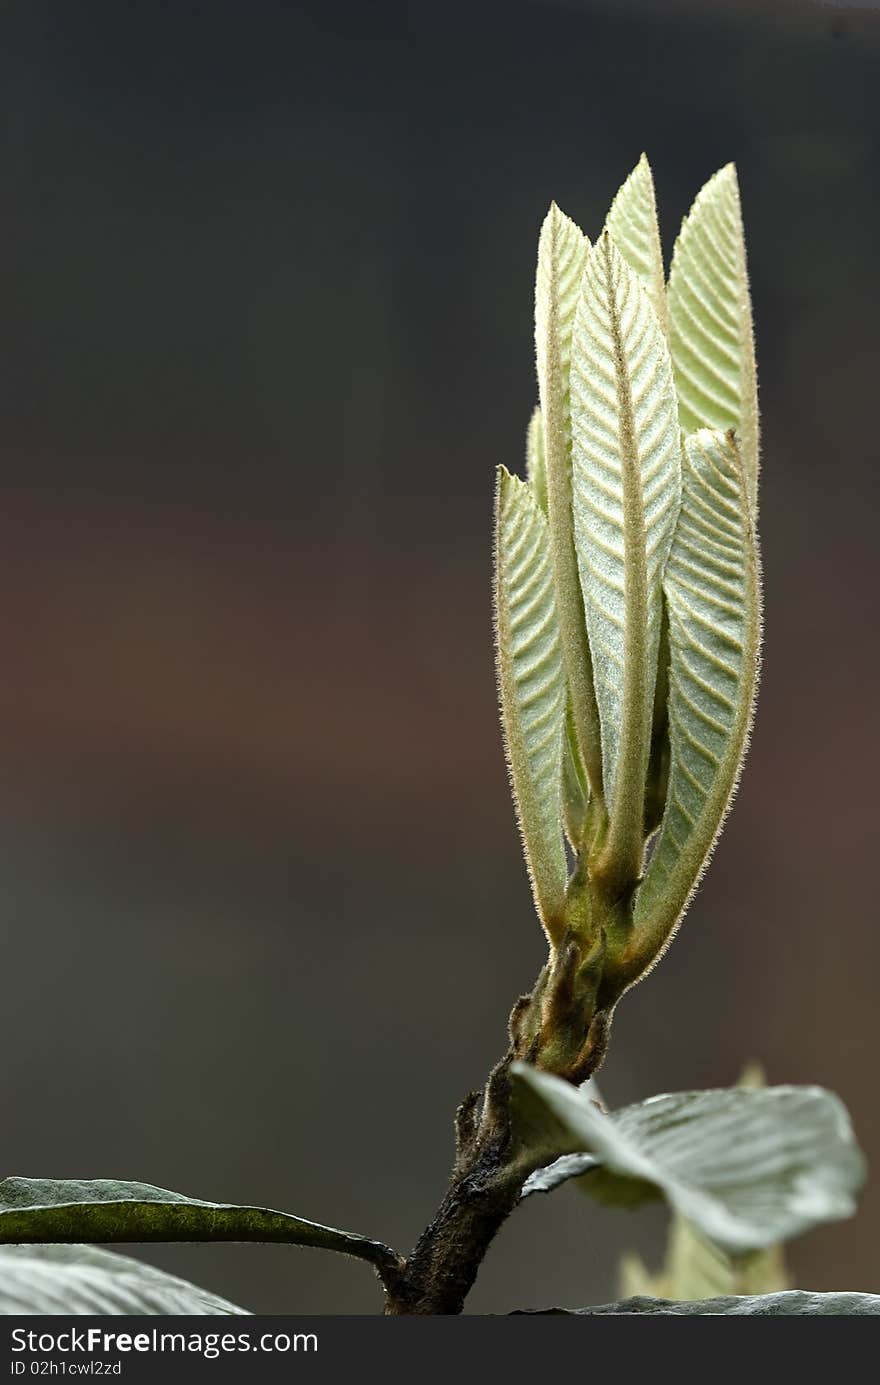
266	277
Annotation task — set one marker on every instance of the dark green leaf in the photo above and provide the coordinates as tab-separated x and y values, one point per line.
102	1209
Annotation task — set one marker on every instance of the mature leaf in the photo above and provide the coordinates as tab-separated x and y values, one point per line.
710	313
694	1268
747	1168
626	478
536	465
82	1281
713	600
562	253
632	224
40	1210
531	685
793	1302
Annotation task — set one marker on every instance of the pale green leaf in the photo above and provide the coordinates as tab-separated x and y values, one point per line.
713	601
636	1280
710	315
632	224
55	1210
562	254
746	1168
626	482
792	1303
536	465
695	1268
531	685
61	1280
575	789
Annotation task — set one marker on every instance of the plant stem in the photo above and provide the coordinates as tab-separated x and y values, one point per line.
491	1163
484	1189
440	1272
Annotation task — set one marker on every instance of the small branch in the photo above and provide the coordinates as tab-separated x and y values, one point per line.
559	1028
484	1190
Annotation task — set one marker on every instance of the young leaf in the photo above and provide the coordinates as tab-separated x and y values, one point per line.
792	1303
562	253
632	225
82	1281
35	1210
626	481
536	465
713	599
694	1268
710	315
746	1168
575	789
531	687
697	1269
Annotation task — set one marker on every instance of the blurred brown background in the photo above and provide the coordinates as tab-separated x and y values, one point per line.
266	279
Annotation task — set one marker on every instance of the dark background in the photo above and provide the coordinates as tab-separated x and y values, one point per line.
265	319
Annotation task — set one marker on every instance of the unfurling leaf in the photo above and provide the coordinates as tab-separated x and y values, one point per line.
81	1281
562	253
626	483
710	314
713	599
653	559
575	789
632	225
536	464
531	687
746	1168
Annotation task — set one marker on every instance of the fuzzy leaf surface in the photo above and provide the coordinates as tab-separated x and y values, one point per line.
710	316
562	254
626	478
531	685
536	462
575	789
713	600
632	224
